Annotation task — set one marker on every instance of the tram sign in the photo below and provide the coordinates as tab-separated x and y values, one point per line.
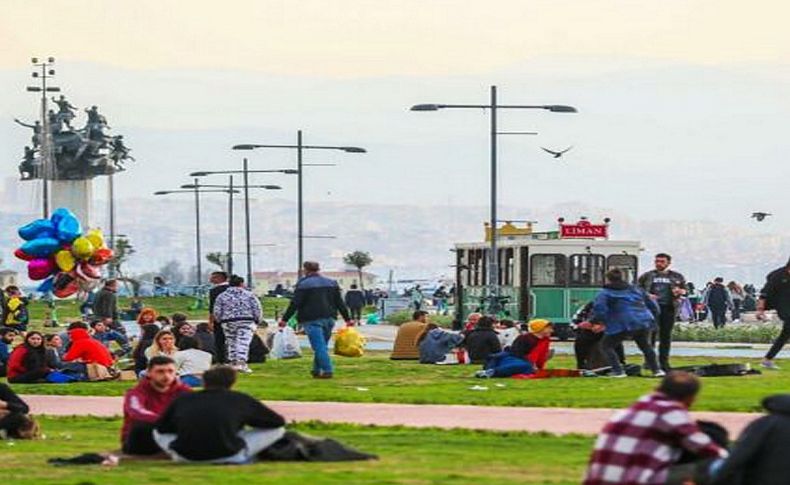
584	230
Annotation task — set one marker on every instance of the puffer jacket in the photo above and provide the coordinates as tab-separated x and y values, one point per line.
624	308
87	349
435	346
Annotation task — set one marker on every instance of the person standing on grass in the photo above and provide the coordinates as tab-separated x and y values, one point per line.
316	303
144	404
625	311
666	287
355	301
775	295
219	280
106	303
718	300
642	444
239	312
736	294
209	426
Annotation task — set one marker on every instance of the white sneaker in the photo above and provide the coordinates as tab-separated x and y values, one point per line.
769	364
659	373
242	368
621	375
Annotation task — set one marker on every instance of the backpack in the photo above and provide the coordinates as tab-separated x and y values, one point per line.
349	343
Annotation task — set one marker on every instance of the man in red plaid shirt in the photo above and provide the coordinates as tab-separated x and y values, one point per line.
640	444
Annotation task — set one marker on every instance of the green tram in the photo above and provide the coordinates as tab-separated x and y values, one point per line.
542	274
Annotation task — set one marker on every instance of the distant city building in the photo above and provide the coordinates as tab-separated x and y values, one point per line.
8	277
266	281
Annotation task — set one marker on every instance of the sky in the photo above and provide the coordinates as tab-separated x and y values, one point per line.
682	103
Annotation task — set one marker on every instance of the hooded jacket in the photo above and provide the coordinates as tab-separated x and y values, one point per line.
482	342
87	349
776	292
436	344
760	455
624	308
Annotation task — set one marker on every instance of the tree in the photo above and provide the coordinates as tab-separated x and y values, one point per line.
122	250
359	260
218	258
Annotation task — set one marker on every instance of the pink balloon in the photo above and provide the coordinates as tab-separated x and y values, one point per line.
40	268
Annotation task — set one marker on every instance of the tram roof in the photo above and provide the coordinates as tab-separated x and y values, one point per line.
549	243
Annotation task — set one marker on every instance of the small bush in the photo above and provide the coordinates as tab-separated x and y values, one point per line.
402	316
761	333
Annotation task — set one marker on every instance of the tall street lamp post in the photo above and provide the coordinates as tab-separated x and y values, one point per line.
197	191
300	147
494	301
44	136
230	187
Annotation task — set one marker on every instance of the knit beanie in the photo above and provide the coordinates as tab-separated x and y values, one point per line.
538	325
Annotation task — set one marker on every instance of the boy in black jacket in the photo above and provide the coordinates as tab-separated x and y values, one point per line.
208	426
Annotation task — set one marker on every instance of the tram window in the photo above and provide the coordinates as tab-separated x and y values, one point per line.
626	263
506	267
547	270
587	269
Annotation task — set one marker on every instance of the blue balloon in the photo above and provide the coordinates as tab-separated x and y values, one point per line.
41	247
36	229
69	228
47	285
59	214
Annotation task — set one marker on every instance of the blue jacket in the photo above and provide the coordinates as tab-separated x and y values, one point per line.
624	308
435	346
4	352
316	298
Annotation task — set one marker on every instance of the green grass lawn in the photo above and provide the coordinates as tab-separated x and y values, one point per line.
410	382
408	456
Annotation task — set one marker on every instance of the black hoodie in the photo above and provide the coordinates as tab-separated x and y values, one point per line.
776	292
760	455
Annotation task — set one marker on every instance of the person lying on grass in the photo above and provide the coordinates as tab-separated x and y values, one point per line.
144	404
529	353
209	426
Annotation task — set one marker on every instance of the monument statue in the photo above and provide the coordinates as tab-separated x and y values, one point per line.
75	154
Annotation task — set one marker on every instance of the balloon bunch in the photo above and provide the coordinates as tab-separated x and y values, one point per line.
59	253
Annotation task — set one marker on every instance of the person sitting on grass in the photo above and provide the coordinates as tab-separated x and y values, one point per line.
205	336
508	333
106	336
144	404
191	362
529	353
146	316
28	362
15	422
760	455
435	344
164	344
483	341
181	330
405	346
209	426
87	350
625	311
471	321
147	335
7	336
642	444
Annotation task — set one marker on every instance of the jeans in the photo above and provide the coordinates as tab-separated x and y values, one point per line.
505	364
611	343
318	333
735	312
719	315
780	341
255	441
191	380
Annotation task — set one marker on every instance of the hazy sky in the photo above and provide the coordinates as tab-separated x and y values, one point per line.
683	103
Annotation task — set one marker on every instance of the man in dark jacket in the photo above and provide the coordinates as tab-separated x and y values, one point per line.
316	303
208	426
776	295
718	300
355	301
760	455
483	341
106	303
665	287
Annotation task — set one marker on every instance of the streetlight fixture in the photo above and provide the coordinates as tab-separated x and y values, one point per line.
197	191
300	147
246	187
494	302
46	72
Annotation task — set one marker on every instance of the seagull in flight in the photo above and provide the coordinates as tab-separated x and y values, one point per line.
557	154
760	216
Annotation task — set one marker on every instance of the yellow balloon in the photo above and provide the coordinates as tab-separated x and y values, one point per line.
65	260
96	237
82	248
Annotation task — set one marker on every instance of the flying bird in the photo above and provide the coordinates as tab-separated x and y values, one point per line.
557	154
760	216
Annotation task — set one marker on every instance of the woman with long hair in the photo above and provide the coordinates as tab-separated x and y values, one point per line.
164	344
147	334
28	362
737	294
147	315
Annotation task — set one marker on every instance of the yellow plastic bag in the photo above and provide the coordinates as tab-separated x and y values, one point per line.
349	342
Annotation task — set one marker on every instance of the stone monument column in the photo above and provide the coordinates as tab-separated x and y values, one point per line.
75	195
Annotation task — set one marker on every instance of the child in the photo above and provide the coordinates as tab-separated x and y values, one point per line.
16	309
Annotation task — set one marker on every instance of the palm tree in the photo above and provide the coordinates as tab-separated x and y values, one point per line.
358	259
218	258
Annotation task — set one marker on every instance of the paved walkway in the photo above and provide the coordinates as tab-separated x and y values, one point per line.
551	420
